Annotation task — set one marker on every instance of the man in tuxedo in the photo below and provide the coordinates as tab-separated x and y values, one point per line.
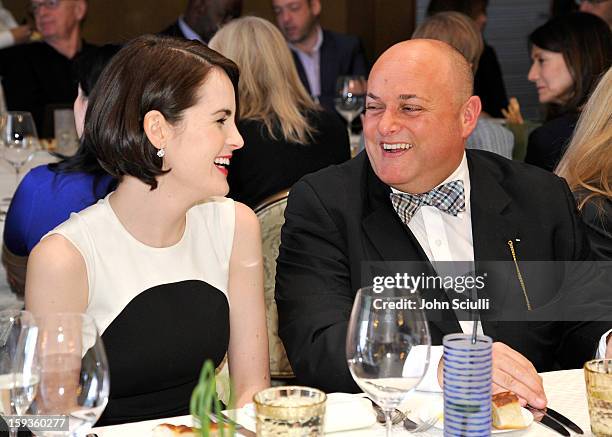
202	19
321	56
420	109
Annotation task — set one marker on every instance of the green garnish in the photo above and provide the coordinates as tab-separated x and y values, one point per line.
205	402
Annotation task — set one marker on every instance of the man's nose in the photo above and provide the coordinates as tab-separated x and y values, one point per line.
388	124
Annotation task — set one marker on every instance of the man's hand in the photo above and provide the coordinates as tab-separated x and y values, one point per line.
513	372
21	34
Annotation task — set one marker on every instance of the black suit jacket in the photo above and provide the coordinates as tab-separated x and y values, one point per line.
547	143
341	216
340	55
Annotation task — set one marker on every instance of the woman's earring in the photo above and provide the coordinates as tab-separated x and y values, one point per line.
161	152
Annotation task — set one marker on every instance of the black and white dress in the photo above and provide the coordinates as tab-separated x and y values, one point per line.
161	311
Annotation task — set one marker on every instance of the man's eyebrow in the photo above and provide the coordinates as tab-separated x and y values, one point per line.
408	96
372	96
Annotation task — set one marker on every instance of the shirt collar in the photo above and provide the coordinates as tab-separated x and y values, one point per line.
188	32
317	45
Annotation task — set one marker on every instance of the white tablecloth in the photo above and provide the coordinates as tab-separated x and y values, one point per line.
565	391
7	188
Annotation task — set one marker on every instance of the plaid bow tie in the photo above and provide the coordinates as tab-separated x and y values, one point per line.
448	198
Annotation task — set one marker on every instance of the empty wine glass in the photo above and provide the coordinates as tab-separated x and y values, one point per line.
74	377
19	371
350	98
387	345
19	139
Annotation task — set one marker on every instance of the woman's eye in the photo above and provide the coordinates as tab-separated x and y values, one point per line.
222	121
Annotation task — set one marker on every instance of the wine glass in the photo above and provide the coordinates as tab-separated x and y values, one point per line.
387	345
19	371
350	98
19	139
74	376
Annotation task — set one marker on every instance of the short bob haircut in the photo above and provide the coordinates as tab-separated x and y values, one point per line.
585	41
149	73
457	30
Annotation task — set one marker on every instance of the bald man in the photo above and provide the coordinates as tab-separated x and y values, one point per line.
419	112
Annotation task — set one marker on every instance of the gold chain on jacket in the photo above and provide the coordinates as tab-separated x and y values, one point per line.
519	275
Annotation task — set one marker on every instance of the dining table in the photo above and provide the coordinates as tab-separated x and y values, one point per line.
565	390
8	185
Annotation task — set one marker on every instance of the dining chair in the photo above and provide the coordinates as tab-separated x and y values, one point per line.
270	213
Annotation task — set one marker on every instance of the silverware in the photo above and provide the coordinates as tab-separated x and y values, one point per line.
396	417
421	427
563	420
228	420
544	419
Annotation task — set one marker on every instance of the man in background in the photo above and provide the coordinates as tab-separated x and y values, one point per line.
202	19
321	56
601	8
38	77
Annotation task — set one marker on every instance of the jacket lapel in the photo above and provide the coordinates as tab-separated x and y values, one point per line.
492	228
328	61
301	72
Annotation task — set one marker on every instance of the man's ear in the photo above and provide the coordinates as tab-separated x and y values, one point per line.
315	7
157	129
81	9
469	115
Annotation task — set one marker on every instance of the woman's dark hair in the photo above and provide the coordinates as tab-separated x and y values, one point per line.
471	8
585	41
88	66
149	73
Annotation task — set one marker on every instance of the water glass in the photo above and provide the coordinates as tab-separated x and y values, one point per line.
74	376
598	378
65	131
467	385
291	411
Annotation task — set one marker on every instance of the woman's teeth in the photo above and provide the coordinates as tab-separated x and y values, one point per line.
222	161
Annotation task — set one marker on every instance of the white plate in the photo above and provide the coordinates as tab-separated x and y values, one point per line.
436	408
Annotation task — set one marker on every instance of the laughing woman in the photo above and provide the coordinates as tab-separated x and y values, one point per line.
170	270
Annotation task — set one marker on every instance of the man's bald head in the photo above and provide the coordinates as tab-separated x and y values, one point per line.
435	59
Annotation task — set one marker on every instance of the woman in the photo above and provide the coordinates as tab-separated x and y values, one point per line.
569	55
48	194
587	167
461	32
286	134
166	266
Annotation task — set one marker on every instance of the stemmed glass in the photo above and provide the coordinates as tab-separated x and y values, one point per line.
19	139
74	377
387	345
19	371
350	98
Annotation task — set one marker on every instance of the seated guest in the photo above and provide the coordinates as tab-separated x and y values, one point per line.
39	76
488	81
569	55
587	167
321	56
461	32
419	112
10	32
601	8
48	194
169	269
286	135
202	18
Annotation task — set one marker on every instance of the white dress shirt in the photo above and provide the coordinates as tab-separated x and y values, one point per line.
7	22
444	237
311	61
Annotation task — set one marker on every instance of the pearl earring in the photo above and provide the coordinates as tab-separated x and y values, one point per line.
161	152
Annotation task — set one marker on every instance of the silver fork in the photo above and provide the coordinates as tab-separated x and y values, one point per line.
421	427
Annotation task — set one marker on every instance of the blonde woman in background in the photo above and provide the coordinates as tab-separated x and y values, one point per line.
587	167
286	135
462	33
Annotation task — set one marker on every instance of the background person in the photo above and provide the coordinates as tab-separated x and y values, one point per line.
10	32
170	270
286	135
48	194
569	53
